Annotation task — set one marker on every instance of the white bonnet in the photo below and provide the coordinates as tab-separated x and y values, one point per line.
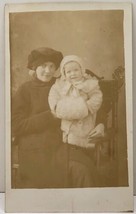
71	58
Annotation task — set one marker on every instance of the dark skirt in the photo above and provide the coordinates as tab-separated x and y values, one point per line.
54	165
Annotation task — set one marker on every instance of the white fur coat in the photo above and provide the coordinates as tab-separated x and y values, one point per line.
77	106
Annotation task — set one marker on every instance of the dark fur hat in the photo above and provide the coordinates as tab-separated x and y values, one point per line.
41	55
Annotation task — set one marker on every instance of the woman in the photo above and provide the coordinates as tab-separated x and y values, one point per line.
43	158
36	131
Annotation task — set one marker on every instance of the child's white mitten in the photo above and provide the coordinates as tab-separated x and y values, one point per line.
71	108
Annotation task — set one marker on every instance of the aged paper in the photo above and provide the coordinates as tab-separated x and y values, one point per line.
100	34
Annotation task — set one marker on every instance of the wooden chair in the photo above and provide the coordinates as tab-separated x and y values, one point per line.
107	114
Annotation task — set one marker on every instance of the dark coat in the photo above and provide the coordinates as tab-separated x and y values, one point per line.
37	134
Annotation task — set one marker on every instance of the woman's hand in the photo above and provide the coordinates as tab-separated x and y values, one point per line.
98	131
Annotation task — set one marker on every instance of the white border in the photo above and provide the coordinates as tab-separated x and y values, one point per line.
75	200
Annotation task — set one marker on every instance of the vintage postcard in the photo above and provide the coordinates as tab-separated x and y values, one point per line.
69	144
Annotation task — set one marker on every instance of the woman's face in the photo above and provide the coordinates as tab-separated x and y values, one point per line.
45	71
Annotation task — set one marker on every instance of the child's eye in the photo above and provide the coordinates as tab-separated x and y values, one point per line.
52	66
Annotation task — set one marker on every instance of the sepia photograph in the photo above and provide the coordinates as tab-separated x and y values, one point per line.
69	106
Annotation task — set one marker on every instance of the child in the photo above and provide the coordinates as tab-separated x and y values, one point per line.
75	98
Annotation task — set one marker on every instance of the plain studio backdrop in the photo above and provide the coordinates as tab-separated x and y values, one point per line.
96	36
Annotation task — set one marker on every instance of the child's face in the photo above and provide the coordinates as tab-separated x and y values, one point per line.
45	71
73	71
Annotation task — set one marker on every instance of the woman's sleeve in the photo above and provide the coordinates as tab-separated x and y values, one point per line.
23	123
95	100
